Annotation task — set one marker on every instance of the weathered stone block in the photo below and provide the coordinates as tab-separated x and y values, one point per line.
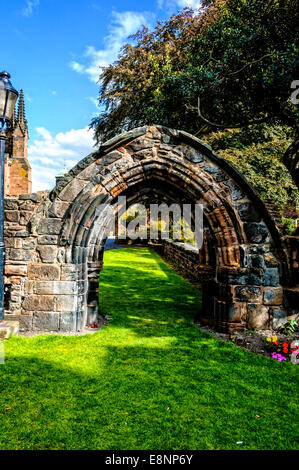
25	321
257	317
30	197
192	155
47	253
19	243
81	321
10	204
237	312
140	144
71	191
58	209
9	242
42	303
69	272
233	279
22	233
167	139
29	244
82	287
15	280
47	240
271	277
46	321
248	294
66	303
50	226
257	249
88	173
273	296
43	272
111	157
55	287
12	216
68	321
15	270
279	317
15	254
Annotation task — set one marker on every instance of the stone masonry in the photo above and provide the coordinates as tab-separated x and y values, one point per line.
54	240
17	175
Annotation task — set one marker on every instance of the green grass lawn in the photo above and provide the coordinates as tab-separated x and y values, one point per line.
148	380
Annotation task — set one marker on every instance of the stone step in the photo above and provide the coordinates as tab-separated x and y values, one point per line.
8	329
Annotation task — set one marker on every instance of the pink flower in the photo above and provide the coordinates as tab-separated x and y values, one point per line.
281	358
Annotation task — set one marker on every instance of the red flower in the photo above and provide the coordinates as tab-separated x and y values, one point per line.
277	343
285	345
285	350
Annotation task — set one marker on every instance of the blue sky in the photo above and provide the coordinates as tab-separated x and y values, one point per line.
53	49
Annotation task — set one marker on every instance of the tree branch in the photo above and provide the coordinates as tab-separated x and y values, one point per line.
245	66
227	126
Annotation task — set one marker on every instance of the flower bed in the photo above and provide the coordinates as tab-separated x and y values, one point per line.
282	350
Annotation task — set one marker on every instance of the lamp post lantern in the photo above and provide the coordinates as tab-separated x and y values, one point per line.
8	98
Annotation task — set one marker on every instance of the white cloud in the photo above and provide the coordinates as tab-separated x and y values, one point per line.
77	67
48	155
121	27
28	97
30	5
178	4
93	101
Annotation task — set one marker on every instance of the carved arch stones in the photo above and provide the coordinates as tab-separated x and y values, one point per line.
243	259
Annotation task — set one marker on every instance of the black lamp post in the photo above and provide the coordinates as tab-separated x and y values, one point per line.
8	98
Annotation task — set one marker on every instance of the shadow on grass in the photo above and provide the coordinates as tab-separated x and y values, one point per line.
87	395
149	380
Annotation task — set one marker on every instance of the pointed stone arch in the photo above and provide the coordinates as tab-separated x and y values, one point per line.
245	257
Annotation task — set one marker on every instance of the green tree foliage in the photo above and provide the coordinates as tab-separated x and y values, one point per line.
229	65
239	56
257	151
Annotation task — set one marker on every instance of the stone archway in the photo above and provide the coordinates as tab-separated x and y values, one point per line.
55	240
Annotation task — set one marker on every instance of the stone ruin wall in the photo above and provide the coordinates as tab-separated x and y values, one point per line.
186	259
192	264
41	289
45	289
